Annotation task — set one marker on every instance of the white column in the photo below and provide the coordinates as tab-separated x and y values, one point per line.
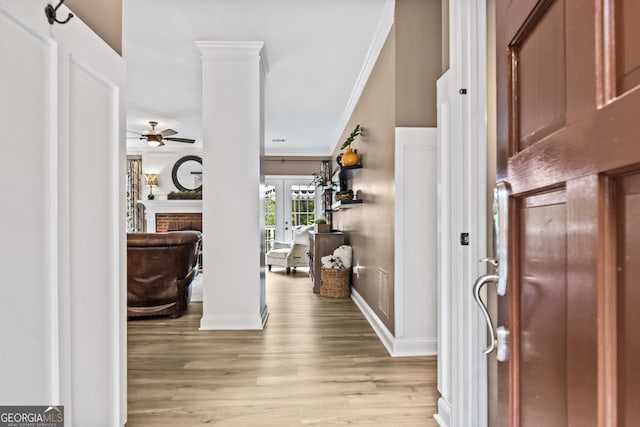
233	148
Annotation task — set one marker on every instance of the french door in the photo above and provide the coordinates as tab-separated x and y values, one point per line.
569	145
290	201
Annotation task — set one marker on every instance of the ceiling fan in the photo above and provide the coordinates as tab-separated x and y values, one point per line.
156	138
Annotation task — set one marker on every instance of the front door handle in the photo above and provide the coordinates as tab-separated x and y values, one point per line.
477	286
501	237
501	195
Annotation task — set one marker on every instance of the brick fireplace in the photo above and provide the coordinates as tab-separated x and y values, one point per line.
178	221
171	215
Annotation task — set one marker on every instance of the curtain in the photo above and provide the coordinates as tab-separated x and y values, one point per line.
134	192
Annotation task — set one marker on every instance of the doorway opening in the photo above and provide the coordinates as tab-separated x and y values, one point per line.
290	201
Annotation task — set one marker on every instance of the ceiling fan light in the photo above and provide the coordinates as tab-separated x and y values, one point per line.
155	140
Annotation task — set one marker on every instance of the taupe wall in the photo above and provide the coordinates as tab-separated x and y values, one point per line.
369	226
274	165
418	61
103	16
400	92
445	35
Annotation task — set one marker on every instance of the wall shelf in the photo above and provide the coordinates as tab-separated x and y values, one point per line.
344	204
351	171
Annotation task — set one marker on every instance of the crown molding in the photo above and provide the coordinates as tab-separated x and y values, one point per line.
379	38
233	50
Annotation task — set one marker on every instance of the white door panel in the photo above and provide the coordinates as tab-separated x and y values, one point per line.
94	224
27	214
64	254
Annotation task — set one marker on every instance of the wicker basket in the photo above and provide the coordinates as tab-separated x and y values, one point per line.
335	283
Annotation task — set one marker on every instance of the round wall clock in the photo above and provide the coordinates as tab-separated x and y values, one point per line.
187	173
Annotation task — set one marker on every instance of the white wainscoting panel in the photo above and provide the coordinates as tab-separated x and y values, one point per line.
416	241
415	294
63	322
28	288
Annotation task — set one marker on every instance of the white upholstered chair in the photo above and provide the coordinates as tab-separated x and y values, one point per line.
291	254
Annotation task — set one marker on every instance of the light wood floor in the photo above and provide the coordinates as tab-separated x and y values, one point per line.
317	362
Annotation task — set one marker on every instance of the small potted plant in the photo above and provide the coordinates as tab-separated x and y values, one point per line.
320	179
322	226
350	157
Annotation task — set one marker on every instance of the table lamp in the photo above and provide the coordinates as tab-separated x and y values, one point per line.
151	180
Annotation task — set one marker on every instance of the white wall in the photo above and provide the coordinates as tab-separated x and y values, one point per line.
161	162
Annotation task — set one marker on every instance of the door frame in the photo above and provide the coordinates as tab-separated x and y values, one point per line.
462	207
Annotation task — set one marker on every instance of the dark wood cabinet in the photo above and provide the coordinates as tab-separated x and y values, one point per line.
321	244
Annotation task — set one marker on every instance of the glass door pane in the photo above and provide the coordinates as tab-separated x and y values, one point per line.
270	215
302	205
288	202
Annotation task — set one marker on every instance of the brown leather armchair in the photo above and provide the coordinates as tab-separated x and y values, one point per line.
160	269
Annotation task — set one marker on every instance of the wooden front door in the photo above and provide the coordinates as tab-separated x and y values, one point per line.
569	144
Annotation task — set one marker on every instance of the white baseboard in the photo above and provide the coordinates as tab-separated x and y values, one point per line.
213	323
379	328
396	347
443	417
415	347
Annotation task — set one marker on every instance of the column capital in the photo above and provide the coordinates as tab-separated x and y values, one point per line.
233	50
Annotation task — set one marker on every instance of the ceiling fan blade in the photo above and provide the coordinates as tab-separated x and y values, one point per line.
133	137
187	140
137	133
168	132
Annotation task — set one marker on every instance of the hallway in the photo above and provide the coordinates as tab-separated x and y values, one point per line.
318	362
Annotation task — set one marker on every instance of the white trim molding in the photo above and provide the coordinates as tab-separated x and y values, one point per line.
379	328
445	236
234	50
443	417
396	347
462	377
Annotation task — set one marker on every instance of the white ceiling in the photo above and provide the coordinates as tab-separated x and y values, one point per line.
315	50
